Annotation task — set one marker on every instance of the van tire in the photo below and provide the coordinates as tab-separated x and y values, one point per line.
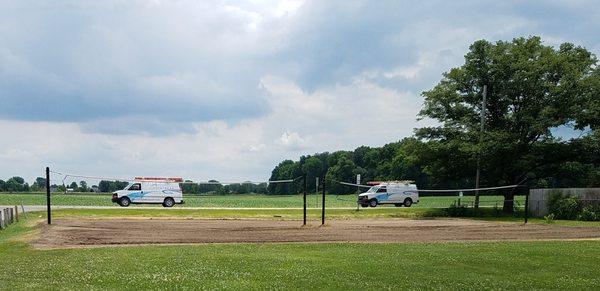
407	202
169	202
124	201
373	203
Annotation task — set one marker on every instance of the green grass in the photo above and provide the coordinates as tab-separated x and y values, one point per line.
275	201
453	266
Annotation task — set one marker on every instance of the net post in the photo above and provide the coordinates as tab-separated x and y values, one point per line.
323	202
526	204
304	200
48	195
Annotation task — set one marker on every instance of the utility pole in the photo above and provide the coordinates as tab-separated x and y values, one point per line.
483	107
48	210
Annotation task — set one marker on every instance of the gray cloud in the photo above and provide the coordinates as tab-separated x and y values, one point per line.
151	66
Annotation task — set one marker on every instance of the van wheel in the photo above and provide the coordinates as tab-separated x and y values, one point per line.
373	203
124	201
169	202
407	202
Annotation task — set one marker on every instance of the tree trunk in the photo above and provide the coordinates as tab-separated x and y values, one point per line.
509	202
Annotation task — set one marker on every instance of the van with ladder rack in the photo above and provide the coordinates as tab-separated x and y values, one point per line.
398	193
150	190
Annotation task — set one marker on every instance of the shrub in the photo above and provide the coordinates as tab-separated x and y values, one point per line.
563	206
549	219
590	213
458	210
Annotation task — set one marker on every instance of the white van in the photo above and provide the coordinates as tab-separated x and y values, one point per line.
165	191
399	193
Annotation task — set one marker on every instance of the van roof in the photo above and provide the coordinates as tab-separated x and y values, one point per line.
158	179
403	182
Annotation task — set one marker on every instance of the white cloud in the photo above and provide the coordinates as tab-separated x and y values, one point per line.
292	141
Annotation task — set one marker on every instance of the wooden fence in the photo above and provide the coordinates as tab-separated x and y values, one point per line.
9	216
538	198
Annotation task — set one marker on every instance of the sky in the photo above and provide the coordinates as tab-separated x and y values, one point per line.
228	89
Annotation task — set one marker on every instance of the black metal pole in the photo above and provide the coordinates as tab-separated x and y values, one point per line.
323	203
48	195
526	204
304	200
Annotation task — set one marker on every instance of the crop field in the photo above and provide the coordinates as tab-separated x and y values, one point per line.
239	201
465	265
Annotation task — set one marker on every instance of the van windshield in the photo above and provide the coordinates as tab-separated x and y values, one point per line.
373	189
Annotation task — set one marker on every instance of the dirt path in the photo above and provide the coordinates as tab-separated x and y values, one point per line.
68	233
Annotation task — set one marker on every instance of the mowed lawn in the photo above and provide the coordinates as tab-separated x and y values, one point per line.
270	201
455	266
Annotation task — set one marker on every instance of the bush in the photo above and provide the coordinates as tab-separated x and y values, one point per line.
563	206
549	219
590	213
458	211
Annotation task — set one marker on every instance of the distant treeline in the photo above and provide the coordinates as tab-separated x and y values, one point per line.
390	162
431	168
18	184
216	188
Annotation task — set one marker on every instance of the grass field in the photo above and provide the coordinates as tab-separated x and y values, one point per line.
454	266
278	201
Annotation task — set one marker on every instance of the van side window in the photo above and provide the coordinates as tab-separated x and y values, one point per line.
135	187
381	190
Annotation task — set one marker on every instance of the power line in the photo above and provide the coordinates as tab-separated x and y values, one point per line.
66	175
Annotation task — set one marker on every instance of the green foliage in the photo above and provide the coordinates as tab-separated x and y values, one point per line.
590	213
73	186
15	184
563	206
549	219
456	210
111	186
393	161
217	188
531	89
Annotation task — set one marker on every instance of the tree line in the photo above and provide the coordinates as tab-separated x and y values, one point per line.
18	184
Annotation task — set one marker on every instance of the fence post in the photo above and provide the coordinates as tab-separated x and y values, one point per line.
304	200
1	220
48	195
526	204
323	202
16	213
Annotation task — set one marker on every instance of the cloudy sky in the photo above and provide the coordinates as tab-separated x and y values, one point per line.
227	89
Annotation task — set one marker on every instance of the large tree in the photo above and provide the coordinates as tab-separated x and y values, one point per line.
532	89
